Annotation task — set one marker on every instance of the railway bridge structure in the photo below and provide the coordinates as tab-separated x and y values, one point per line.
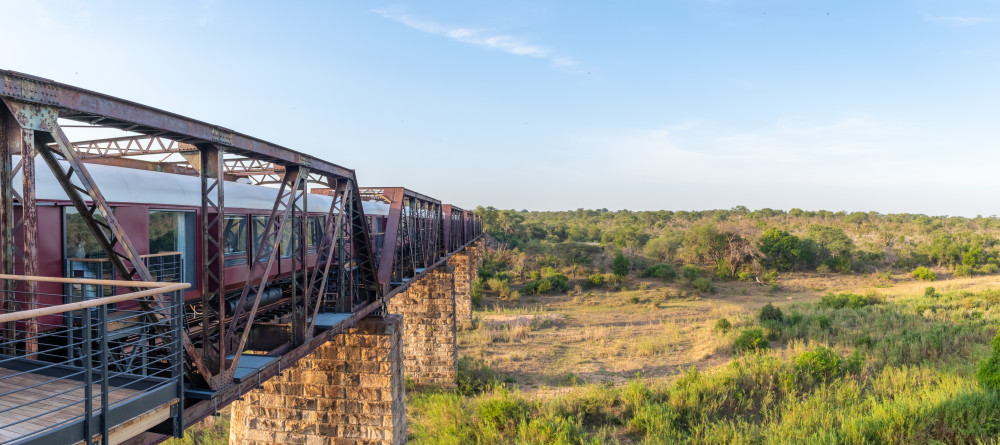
152	278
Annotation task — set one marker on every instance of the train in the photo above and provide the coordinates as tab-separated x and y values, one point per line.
161	214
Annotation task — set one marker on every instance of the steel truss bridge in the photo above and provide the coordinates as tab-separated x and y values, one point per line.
141	362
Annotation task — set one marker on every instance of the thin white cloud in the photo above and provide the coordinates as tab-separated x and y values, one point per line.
478	37
959	20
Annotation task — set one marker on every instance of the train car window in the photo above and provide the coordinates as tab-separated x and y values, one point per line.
172	246
259	224
235	240
84	256
314	233
285	250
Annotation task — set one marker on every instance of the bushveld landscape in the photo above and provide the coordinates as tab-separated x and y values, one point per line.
730	326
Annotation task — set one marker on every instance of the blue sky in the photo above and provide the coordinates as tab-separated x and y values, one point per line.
839	105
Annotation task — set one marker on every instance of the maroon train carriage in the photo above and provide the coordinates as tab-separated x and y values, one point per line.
160	212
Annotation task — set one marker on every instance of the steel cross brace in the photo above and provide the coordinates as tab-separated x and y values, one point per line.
266	252
316	287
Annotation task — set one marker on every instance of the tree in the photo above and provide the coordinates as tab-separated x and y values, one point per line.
663	248
704	243
780	249
620	266
739	250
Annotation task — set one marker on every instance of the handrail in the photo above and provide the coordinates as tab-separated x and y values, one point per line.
103	260
158	288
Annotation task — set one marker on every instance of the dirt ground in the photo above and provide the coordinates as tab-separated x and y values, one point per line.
547	344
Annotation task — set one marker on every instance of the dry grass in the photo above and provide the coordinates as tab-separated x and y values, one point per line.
606	335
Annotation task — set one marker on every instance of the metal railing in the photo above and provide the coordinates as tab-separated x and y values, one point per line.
86	369
164	266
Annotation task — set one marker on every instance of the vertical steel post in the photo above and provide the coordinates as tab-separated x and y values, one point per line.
10	132
213	263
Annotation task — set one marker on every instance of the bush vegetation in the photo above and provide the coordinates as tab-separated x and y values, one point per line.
850	369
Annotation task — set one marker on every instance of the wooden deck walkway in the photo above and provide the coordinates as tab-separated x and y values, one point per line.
64	398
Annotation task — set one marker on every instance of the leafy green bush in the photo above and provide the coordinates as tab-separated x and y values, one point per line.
930	292
924	273
964	270
662	271
544	287
476	292
751	339
988	373
723	325
825	364
989	269
691	272
770	312
853	301
595	280
821	363
703	285
620	266
556	282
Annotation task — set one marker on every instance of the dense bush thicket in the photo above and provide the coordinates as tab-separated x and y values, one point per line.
740	243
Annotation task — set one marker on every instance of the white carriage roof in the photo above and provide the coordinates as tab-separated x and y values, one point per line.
121	185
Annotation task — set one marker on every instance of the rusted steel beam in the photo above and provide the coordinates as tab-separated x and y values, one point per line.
130	146
28	227
213	267
454	227
10	141
267	249
88	106
300	260
138	164
370	288
332	230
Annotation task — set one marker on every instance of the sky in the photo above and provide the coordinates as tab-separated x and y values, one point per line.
888	106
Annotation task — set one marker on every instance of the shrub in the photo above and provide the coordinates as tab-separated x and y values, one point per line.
821	363
620	266
595	280
751	339
989	369
704	285
691	272
496	284
556	282
544	287
989	268
824	364
723	325
823	322
930	292
770	312
924	273
964	271
853	301
662	271
477	289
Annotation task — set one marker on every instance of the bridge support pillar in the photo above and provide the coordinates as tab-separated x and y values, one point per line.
349	391
463	264
430	348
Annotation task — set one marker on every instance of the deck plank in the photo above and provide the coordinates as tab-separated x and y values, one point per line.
29	409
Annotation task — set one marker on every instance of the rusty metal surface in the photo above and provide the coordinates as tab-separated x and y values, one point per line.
95	108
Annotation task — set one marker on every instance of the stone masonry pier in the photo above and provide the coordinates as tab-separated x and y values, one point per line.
351	390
